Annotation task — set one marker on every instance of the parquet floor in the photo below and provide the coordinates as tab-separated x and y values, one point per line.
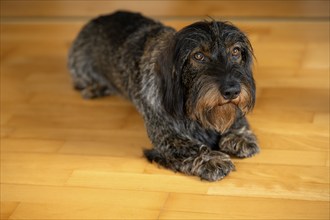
63	157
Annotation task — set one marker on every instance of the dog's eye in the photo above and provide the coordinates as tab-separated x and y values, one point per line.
236	52
199	56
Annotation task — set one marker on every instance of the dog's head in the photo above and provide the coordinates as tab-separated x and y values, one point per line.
206	74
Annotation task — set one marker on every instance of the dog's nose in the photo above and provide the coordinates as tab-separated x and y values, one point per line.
231	92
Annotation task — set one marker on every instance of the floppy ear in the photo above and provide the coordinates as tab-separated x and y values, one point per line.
249	58
170	64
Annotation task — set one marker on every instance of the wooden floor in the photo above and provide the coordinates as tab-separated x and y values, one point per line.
63	157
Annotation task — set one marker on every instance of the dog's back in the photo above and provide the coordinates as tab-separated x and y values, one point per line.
107	52
119	26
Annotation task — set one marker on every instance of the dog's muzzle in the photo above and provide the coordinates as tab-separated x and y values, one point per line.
230	91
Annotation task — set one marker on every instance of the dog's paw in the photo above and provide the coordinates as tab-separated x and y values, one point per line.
95	91
212	166
239	144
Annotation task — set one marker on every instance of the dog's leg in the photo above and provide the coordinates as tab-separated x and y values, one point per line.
93	90
88	81
183	155
85	65
239	140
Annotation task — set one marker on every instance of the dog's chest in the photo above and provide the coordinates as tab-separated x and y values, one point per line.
207	137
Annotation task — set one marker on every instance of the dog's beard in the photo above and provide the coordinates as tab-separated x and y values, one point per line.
220	117
214	112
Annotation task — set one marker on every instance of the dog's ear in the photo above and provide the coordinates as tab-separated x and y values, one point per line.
249	58
169	67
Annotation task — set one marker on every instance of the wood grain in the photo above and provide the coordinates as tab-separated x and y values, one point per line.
180	8
63	157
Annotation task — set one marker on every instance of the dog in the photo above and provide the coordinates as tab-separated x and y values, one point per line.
192	87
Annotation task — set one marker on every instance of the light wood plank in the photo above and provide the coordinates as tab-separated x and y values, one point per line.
287	157
53	169
138	181
294	142
30	145
81	211
80	134
7	209
76	195
228	207
188	215
168	8
117	147
261	181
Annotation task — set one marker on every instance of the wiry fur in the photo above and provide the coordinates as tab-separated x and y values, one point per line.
194	110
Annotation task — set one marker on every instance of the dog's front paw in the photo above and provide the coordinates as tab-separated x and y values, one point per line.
212	166
239	144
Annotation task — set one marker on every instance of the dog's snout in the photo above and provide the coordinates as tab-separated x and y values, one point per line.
231	91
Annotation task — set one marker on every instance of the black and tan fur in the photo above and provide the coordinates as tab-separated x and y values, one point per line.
193	87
